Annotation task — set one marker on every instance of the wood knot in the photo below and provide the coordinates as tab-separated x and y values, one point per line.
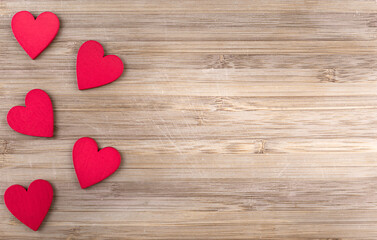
221	58
262	147
5	147
220	62
200	119
329	75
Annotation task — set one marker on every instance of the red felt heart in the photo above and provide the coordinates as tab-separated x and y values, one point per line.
36	119
91	165
93	69
29	206
34	35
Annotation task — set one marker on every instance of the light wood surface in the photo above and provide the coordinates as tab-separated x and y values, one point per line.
235	119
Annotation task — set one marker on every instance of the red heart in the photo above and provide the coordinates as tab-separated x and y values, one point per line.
34	35
30	206
93	69
91	165
36	119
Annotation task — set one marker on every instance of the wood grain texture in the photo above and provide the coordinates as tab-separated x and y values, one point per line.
235	119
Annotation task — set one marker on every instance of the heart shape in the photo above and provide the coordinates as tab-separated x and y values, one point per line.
30	206
36	118
91	165
95	70
34	35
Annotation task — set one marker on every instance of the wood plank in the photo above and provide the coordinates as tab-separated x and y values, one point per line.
235	120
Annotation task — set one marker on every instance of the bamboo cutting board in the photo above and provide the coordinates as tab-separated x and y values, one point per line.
235	119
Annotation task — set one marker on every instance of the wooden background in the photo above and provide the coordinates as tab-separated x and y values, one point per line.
235	119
